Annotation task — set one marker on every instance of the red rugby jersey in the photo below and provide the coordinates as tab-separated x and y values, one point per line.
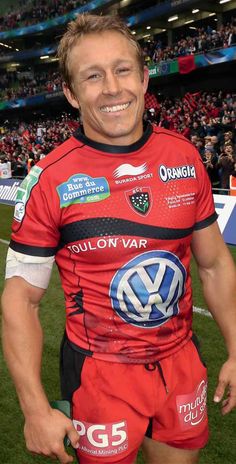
119	220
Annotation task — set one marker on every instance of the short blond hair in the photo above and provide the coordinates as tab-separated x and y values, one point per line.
86	24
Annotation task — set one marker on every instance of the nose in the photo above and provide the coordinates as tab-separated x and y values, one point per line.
111	84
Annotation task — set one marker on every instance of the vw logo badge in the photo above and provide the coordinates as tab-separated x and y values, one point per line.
146	290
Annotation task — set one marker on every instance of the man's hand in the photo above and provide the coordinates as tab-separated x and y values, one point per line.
227	382
44	435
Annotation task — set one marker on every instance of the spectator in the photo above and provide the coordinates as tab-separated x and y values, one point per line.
211	164
215	143
226	164
197	129
5	167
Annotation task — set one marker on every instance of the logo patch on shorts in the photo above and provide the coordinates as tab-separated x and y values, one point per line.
81	188
140	199
145	292
102	440
192	407
24	190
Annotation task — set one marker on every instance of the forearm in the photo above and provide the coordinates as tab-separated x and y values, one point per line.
22	345
219	288
45	428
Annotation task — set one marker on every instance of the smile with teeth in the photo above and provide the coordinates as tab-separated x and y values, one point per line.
113	109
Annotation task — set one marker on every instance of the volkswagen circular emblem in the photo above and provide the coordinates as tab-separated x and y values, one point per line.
146	290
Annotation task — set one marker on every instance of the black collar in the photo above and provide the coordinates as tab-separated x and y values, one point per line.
118	149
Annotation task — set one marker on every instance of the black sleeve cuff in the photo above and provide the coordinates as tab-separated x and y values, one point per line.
206	222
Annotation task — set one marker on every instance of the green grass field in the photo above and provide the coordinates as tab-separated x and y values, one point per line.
222	446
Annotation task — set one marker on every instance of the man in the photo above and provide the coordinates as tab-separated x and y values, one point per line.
228	138
197	129
226	163
210	161
5	167
118	205
215	144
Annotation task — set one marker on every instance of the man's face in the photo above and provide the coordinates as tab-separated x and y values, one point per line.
194	139
108	88
229	149
214	139
208	145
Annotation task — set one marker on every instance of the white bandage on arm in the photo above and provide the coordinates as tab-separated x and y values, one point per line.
36	270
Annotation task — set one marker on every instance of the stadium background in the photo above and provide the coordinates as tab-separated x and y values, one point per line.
31	101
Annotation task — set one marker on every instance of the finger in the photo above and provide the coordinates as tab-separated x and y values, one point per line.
51	456
73	437
219	392
46	455
64	458
228	404
227	407
67	459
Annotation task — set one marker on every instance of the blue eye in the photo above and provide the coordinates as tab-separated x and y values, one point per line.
123	70
94	77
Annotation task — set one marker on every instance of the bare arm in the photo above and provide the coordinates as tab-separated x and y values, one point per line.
22	343
218	276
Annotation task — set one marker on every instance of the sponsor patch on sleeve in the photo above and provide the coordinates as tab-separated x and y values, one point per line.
24	190
81	188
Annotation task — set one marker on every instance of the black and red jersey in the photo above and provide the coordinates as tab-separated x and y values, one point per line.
119	220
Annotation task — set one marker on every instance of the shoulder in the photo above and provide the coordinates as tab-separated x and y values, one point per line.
172	137
175	146
60	153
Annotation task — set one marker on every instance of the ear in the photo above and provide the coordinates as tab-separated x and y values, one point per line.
145	79
70	96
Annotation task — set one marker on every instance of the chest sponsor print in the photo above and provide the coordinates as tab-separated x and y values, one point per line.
129	170
181	200
127	173
145	292
82	188
167	173
104	243
139	199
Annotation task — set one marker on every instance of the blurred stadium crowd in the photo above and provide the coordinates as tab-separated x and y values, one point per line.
13	86
207	119
32	11
200	40
25	144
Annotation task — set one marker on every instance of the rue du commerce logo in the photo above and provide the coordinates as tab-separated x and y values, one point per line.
192	407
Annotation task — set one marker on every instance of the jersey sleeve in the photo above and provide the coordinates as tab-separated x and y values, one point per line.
205	214
35	230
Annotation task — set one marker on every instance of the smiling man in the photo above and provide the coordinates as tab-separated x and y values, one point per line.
119	206
108	85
